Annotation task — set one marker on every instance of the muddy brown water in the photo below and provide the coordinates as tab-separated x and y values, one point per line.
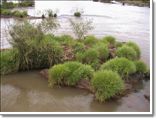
28	91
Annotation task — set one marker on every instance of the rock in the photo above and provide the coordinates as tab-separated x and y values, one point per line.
147	97
83	84
44	73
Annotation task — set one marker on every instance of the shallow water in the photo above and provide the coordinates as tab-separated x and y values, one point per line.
124	22
28	91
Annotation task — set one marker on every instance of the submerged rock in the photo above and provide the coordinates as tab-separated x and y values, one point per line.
83	84
44	73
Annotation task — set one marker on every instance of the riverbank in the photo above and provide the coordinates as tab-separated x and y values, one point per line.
140	3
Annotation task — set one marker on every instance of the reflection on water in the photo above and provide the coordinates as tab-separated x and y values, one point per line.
124	22
28	91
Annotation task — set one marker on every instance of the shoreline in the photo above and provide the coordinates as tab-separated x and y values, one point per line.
137	3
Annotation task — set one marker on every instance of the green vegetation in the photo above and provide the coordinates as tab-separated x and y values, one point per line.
90	40
135	47
25	4
50	13
8	5
20	14
81	27
66	40
14	13
69	73
34	46
106	84
127	52
103	51
90	56
78	47
122	66
109	39
9	61
35	50
141	67
11	5
77	14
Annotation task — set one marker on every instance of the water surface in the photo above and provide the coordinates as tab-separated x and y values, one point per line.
123	22
28	91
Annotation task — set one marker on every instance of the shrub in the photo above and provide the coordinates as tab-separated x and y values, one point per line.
90	40
81	27
78	47
8	61
77	14
141	67
49	53
109	39
127	52
135	47
26	4
79	56
90	55
69	73
50	13
49	25
103	51
6	12
65	40
20	14
43	16
35	50
83	72
122	66
55	15
106	84
8	5
95	64
57	74
119	44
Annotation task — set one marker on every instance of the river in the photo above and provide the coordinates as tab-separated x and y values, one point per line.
28	91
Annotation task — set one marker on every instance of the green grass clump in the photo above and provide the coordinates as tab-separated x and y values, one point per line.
69	73
141	67
15	13
90	40
6	12
122	66
8	5
109	39
106	84
119	44
77	14
103	51
135	47
26	4
57	74
9	61
78	47
127	52
88	56
20	14
65	40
